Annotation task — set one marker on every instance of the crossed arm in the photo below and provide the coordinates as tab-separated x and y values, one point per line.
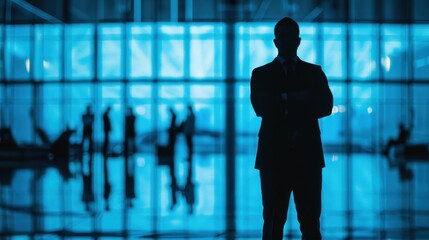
267	102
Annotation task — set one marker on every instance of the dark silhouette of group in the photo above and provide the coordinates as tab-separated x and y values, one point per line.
187	127
87	145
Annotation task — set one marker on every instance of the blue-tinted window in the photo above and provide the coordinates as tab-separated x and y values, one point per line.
52	116
364	114
255	47
110	58
334	50
421	51
48	52
139	50
364	52
307	48
171	51
79	51
394	60
332	127
206	51
18	52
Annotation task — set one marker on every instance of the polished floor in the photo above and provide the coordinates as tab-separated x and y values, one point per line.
363	198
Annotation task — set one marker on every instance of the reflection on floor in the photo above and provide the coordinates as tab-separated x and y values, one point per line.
363	198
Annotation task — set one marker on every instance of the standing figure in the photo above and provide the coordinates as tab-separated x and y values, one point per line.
107	127
172	136
189	130
290	95
87	145
129	150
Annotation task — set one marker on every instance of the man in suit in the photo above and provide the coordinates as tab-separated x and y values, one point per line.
290	95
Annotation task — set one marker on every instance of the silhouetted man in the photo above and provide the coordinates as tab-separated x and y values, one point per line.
107	127
189	130
172	136
130	148
88	121
290	95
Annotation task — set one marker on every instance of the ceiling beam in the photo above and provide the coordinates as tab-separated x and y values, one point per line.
36	11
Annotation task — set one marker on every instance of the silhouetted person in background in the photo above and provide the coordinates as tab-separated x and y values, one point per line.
172	136
403	136
290	95
107	127
129	150
87	139
188	128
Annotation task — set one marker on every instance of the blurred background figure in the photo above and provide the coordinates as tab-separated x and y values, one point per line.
87	145
171	147
107	127
188	128
129	151
402	138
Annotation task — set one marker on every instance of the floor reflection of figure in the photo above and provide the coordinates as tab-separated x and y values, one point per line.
87	146
107	127
189	189
129	150
172	135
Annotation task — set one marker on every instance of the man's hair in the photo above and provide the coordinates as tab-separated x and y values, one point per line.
288	23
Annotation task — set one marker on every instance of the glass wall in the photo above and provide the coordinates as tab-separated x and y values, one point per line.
378	74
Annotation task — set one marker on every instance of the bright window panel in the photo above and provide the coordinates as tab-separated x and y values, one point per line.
205	92
255	47
172	91
52	115
420	132
48	49
364	51
394	59
421	51
140	91
307	48
247	121
171	47
19	106
17	51
111	91
206	51
110	55
79	51
332	127
140	51
365	110
334	49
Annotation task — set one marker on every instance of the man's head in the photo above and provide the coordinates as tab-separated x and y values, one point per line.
287	40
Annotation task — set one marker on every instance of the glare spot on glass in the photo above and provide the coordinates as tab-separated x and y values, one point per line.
369	110
334	109
385	62
141	110
27	65
46	64
334	158
141	162
341	108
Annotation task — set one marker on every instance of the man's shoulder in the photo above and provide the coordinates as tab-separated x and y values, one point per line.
308	65
265	67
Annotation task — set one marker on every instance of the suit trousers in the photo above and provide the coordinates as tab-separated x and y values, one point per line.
277	186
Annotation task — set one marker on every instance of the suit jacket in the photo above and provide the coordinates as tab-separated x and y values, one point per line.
289	135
